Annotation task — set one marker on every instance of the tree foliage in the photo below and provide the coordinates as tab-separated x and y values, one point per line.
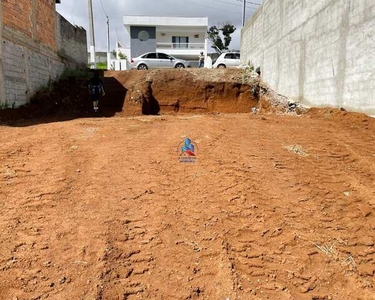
220	36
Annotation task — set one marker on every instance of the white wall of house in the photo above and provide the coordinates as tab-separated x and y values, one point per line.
196	36
168	27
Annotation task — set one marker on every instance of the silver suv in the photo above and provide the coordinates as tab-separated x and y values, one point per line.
157	60
227	60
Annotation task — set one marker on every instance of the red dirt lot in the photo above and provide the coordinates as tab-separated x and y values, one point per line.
275	207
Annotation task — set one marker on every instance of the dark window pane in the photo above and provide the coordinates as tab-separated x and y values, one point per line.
163	56
151	55
180	41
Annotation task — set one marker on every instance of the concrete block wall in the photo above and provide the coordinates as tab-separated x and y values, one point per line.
26	71
320	52
37	45
2	85
71	41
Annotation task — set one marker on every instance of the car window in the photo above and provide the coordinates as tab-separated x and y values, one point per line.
151	55
163	56
229	56
237	56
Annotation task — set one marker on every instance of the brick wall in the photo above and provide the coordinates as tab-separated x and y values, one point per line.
46	21
37	45
319	52
18	15
33	18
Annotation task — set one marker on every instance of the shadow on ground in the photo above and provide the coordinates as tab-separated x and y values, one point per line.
66	100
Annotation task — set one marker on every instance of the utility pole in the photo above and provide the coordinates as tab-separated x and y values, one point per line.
243	13
108	46
92	37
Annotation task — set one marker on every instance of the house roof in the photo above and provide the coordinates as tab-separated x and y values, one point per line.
164	21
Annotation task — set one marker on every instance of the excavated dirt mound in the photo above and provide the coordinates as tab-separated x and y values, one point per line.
188	90
135	93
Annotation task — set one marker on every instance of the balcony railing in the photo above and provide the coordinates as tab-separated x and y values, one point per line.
182	46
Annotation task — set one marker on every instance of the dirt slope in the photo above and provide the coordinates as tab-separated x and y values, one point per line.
188	90
277	207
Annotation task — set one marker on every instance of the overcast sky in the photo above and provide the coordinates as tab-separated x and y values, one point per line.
217	11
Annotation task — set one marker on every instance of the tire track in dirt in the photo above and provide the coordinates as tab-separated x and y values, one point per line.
30	210
251	219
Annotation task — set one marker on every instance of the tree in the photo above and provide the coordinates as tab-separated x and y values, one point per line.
217	34
120	54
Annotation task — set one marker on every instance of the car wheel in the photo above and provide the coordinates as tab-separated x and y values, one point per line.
142	67
221	66
180	66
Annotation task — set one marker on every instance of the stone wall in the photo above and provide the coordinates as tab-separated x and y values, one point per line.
37	45
320	52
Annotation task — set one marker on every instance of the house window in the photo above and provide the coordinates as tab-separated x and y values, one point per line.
143	36
180	42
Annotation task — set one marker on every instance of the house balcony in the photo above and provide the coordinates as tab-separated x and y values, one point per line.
183	50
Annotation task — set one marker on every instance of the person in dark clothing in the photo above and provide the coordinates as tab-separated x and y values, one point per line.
96	88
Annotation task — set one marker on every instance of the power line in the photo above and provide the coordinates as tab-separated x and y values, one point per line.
101	4
108	37
238	5
249	2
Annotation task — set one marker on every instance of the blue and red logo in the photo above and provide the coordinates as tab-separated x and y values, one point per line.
187	151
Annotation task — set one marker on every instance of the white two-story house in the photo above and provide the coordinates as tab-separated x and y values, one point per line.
177	36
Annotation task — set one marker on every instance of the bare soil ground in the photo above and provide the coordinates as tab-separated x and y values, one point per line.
276	207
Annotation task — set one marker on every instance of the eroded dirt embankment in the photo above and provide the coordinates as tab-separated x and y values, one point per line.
163	91
156	92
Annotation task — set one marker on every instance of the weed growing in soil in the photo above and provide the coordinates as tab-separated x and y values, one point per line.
246	76
6	105
297	149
